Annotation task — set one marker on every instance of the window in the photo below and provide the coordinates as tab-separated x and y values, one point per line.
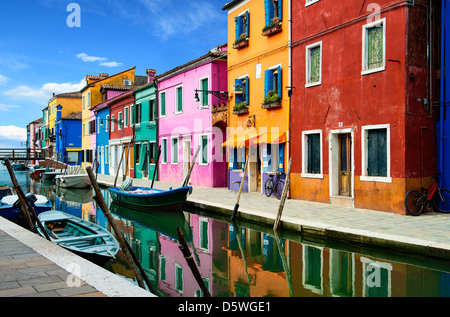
152	110
237	158
112	123
163	104
84	101
89	99
272	81
273	10
204	149
241	89
126	117
273	157
174	151
120	121
84	129
153	153
204	234
312	154
313	64
204	100
107	154
312	269
309	2
164	151
374	47
107	123
99	122
242	24
131	115
162	268
137	113
376	153
178	278
137	153
179	99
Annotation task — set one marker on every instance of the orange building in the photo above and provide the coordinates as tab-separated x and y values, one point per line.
259	82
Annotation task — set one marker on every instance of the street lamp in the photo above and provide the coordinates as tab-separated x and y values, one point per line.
223	95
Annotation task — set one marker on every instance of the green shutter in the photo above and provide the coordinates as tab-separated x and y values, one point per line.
377	153
205	88
375	47
163	104
179	99
314	61
205	149
313	146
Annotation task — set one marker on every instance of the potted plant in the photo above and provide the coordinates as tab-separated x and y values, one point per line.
272	100
240	108
273	27
242	41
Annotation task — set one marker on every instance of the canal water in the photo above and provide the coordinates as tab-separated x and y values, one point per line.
247	260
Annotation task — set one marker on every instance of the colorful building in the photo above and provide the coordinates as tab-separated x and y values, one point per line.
259	80
186	123
145	128
362	124
92	96
34	138
68	140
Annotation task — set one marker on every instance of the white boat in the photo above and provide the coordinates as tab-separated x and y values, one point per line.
74	177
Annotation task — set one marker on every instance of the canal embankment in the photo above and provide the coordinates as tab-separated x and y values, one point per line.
426	235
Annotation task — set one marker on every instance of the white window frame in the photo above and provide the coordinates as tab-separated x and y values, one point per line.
160	107
309	2
201	94
99	122
164	150
155	113
200	234
112	123
365	158
126	120
89	99
156	152
179	267
200	139
119	123
172	151
176	99
107	124
106	154
131	115
364	70
308	64
304	173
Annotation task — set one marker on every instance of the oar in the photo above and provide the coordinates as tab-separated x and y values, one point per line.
236	207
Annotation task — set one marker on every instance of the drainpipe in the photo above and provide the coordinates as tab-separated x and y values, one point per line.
288	134
443	93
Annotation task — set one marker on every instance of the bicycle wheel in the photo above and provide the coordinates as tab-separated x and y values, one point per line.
441	200
279	189
414	202
269	187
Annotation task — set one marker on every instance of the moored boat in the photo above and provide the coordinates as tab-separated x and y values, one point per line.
19	167
73	181
79	236
5	190
145	198
49	176
11	209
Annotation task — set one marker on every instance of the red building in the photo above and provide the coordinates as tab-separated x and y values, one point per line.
362	127
121	142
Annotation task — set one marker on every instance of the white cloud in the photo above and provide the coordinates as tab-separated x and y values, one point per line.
7	108
44	93
89	59
111	64
3	80
13	133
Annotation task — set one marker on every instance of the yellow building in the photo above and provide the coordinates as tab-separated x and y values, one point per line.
259	82
71	103
92	96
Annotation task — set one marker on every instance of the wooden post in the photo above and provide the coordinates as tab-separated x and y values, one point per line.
120	238
25	204
236	207
118	167
283	197
188	176
156	166
188	256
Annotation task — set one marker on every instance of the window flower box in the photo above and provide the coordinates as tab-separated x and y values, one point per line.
240	108
241	42
272	29
272	100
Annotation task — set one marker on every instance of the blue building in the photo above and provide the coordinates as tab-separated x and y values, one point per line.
68	137
103	122
443	126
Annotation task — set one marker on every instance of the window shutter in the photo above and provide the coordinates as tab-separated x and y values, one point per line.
268	81
247	90
280	10
247	31
163	104
280	90
377	153
238	97
236	21
267	4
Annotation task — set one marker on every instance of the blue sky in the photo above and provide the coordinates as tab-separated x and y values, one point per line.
40	54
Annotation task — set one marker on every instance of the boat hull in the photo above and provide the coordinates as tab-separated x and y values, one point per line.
15	214
167	200
49	176
73	181
20	167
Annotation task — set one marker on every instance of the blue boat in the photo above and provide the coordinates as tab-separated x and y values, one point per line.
20	167
10	206
5	191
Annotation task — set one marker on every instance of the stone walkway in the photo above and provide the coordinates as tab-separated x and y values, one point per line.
427	234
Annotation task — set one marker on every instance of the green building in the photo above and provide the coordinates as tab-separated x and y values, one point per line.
145	115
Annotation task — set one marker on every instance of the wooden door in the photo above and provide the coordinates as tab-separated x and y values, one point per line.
186	157
345	167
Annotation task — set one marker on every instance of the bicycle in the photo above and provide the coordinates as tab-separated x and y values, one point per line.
271	187
435	196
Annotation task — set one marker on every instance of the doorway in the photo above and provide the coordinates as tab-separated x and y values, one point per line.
186	157
345	159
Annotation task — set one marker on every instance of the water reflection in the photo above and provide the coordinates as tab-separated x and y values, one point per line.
244	260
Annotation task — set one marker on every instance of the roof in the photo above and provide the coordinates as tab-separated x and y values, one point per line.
102	78
74	94
231	4
73	116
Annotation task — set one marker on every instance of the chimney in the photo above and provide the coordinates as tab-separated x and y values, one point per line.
151	75
103	75
58	112
53	95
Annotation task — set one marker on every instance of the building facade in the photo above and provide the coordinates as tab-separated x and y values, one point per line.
68	141
186	123
362	127
259	80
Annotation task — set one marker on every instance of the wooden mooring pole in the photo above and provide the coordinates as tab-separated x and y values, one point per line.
188	176
283	197
236	207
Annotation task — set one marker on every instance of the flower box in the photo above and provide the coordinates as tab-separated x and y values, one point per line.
271	104
240	111
240	44
272	29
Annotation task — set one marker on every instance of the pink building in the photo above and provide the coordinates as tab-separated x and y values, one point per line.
186	122
35	138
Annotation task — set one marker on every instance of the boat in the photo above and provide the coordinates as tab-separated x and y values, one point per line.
73	177
5	190
11	209
49	176
79	236
19	167
37	172
147	198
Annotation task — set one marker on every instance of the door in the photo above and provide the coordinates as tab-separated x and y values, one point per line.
186	157
345	167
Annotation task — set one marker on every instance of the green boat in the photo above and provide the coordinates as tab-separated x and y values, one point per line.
144	198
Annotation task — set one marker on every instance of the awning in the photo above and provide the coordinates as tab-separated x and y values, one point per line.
239	140
270	138
73	150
